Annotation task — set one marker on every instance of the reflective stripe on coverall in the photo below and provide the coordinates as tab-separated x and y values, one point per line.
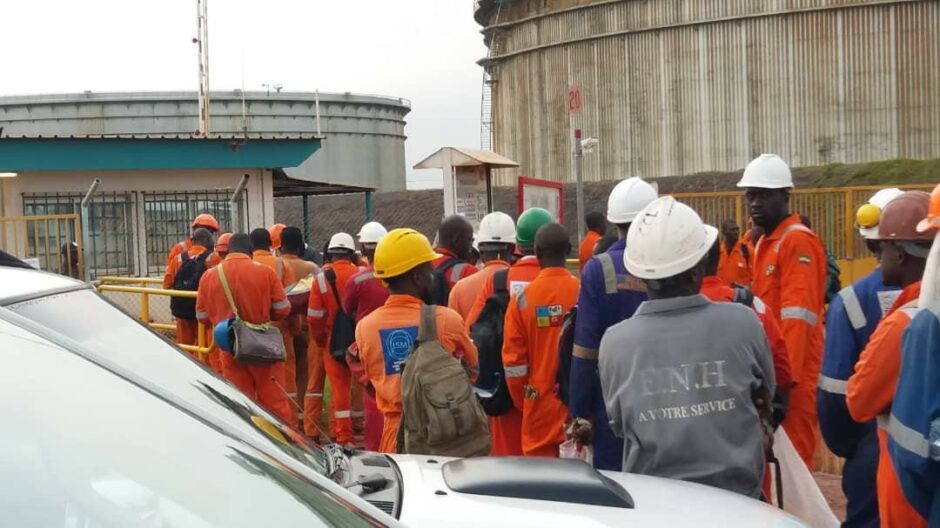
608	295
386	338
914	429
288	279
734	268
869	393
852	317
365	294
464	293
186	329
259	298
530	357
789	275
321	314
506	429
587	248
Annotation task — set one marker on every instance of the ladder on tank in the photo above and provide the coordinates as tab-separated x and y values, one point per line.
486	97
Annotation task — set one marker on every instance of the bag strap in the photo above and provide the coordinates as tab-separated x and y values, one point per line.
227	290
331	278
610	273
500	278
428	330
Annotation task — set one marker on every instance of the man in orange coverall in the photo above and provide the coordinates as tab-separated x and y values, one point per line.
261	253
260	298
386	337
506	429
734	266
204	220
596	223
530	343
322	311
200	248
870	389
496	239
789	274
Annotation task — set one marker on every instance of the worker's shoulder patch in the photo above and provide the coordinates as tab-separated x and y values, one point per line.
549	316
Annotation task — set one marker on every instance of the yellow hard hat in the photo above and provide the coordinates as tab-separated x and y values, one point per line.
401	250
867	216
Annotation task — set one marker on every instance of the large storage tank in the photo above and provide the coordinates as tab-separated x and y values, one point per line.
365	134
674	87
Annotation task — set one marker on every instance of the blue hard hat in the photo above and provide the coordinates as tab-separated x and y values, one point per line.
224	338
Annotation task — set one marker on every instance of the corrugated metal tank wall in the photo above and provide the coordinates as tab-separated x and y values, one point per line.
365	135
676	87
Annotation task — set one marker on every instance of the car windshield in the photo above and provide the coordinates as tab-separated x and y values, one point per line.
88	448
86	317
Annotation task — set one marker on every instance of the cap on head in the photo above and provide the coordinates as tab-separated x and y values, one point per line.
529	223
932	220
341	243
371	233
496	227
666	239
275	232
400	251
207	221
767	171
221	245
627	199
900	218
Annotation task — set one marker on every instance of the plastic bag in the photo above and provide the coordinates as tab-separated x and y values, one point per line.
570	448
801	495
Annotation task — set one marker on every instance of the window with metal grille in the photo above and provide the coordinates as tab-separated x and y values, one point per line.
110	247
168	214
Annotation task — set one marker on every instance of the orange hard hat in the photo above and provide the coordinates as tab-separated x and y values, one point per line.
275	232
932	220
222	243
208	221
901	217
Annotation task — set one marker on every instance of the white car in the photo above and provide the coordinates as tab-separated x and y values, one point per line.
106	423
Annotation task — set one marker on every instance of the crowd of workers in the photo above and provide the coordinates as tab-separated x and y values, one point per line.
690	345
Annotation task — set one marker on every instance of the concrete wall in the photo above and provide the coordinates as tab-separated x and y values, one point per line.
675	87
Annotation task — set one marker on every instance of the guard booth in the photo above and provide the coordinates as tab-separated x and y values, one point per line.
468	179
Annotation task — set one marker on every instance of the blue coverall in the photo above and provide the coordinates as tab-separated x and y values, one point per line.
597	311
852	317
914	428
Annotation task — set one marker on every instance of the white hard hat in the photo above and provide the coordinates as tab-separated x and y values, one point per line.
627	199
880	199
666	239
371	233
497	227
767	171
342	241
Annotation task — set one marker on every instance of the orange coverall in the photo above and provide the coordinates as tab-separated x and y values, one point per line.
464	293
790	276
869	394
301	336
530	357
387	336
452	276
506	430
286	274
260	298
733	268
321	313
587	248
186	329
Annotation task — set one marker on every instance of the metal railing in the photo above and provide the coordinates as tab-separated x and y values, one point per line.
45	241
142	286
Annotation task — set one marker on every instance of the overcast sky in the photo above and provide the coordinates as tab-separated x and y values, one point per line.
422	50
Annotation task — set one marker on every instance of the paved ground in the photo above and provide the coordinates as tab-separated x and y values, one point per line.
831	486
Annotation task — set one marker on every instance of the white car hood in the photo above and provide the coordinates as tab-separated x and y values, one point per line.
428	502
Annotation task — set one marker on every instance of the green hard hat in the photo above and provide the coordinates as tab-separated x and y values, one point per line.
529	223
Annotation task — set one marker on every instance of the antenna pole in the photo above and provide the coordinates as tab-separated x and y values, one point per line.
202	45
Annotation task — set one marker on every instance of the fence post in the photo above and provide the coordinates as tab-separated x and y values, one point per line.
849	224
145	307
738	212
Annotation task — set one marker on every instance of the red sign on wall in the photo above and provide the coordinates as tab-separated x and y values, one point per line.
574	99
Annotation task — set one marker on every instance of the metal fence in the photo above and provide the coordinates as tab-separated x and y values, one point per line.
45	241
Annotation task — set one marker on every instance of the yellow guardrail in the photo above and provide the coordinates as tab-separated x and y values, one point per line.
125	285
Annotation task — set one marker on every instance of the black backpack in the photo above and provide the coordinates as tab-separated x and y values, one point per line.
487	335
187	279
565	352
440	290
743	295
343	333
